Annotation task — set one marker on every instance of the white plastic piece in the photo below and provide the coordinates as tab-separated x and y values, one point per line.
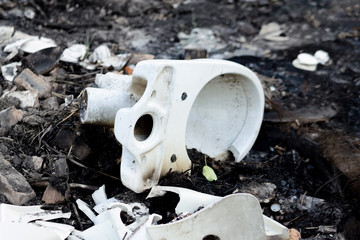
238	216
210	105
322	57
25	214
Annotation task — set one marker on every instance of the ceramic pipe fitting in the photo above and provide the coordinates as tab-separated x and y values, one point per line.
99	105
210	105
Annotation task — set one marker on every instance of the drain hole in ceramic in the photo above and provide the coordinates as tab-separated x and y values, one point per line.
143	127
211	237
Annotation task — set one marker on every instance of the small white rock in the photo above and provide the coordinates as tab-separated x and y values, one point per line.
275	207
307	59
322	57
296	63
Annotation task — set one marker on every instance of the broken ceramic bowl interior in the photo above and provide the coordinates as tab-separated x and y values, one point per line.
210	105
214	106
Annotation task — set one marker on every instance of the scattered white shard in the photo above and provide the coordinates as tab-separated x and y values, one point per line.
100	53
9	71
35	45
74	53
5	33
117	62
28	98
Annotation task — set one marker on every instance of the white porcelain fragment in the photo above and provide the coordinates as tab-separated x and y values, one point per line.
5	33
74	53
210	105
117	62
99	195
24	214
9	71
100	53
238	216
28	98
296	63
99	106
35	45
32	231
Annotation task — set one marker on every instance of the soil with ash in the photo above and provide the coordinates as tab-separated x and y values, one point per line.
287	165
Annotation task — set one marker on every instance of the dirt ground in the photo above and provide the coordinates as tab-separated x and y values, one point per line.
312	119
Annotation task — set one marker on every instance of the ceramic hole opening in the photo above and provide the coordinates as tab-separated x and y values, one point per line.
143	127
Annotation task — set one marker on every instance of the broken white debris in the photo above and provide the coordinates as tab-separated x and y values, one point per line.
29	98
35	45
9	71
16	222
100	53
117	62
5	33
74	54
272	32
26	214
181	102
99	105
225	211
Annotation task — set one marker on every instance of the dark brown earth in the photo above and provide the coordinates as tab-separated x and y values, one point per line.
307	112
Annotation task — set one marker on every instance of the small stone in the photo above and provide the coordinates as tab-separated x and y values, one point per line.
33	120
322	57
33	163
30	81
51	103
307	59
10	117
66	139
61	168
13	184
52	196
194	53
264	192
26	98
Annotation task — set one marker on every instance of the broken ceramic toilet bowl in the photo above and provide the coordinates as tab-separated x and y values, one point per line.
237	216
213	106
